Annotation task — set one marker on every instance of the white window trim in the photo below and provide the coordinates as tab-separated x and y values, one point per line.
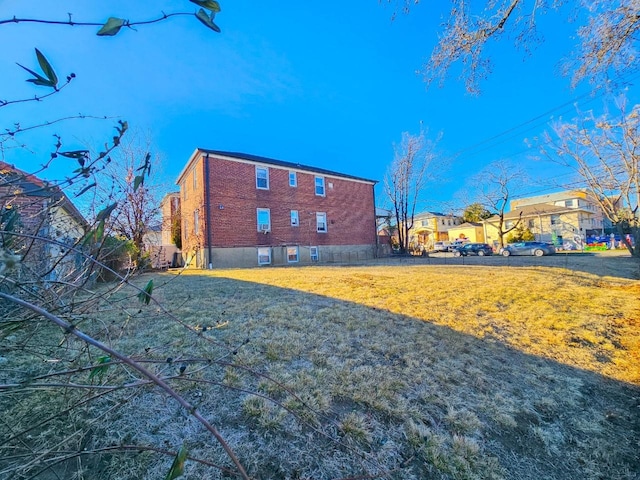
196	221
268	249
315	186
318	216
266	169
261	226
295	218
312	255
294	176
195	179
297	254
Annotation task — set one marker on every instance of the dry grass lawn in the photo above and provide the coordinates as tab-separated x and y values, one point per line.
399	372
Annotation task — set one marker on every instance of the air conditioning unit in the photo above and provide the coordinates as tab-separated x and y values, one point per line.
263	227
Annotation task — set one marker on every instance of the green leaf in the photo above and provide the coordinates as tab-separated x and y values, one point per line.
86	189
146	166
204	18
99	233
139	180
112	27
94	236
105	212
46	68
75	154
39	79
145	295
43	83
208	4
177	467
100	371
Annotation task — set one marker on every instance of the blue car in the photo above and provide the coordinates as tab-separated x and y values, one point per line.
537	249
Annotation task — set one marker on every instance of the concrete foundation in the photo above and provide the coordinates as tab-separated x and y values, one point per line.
245	257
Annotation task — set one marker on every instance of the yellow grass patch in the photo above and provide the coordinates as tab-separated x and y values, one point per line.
580	320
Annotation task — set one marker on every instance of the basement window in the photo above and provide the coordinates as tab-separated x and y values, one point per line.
264	255
292	254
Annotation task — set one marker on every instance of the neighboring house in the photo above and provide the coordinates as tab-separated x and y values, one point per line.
473	232
431	227
385	230
564	218
170	211
240	210
159	240
45	212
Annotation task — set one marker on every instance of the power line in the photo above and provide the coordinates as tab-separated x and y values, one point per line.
594	94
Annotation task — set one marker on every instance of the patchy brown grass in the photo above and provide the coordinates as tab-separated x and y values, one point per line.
576	319
406	372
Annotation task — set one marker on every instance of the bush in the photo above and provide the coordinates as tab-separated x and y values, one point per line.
116	254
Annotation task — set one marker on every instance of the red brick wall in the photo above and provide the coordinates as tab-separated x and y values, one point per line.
190	200
234	199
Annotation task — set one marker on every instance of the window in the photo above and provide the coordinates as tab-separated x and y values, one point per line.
313	253
555	219
264	255
186	229
184	189
295	219
196	222
321	222
320	186
264	219
262	178
293	179
531	224
424	223
568	203
195	179
292	254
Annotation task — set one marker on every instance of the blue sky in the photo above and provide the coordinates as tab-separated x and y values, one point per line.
330	84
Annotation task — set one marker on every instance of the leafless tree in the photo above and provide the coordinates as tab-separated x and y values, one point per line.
604	152
497	185
129	181
607	40
405	180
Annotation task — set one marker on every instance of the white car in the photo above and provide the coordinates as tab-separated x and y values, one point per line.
441	246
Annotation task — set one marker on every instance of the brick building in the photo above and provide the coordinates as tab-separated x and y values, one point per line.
242	210
46	223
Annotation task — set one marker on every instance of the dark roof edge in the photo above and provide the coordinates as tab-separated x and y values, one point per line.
281	163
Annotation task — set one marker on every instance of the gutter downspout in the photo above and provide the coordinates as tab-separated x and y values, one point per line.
375	222
207	206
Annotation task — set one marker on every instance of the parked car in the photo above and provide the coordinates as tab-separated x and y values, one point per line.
529	248
441	246
457	244
480	249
